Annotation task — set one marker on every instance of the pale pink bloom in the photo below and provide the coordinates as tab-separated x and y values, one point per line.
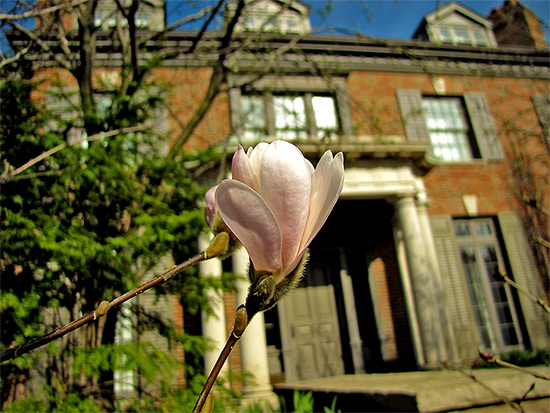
277	202
210	209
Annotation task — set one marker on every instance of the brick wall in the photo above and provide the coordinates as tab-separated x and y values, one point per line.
374	103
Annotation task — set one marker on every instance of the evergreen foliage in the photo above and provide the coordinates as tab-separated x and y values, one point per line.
85	225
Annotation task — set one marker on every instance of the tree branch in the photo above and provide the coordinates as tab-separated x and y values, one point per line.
33	36
536	300
8	176
36	13
217	246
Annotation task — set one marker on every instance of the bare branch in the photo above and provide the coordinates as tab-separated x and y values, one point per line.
15	57
218	76
501	397
205	26
33	36
536	300
217	246
10	176
36	13
492	359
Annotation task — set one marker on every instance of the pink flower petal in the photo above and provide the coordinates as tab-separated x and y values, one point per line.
286	186
210	209
326	187
241	169
253	223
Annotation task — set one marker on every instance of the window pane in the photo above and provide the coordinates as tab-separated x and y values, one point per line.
500	296
475	289
447	127
483	228
325	112
253	117
290	119
462	36
462	229
325	116
445	35
480	38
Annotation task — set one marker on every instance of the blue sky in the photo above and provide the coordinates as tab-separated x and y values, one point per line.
398	19
392	19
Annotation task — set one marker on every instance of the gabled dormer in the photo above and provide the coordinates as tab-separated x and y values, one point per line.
278	16
457	25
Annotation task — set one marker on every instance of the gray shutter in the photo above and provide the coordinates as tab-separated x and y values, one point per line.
410	104
454	285
524	273
484	126
542	107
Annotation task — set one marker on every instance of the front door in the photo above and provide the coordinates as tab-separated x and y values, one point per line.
309	325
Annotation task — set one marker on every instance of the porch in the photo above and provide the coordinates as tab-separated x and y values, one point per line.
425	391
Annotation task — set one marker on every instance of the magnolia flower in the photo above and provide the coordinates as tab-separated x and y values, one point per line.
277	202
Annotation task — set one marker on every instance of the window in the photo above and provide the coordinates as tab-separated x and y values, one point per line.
491	298
448	128
452	35
289	116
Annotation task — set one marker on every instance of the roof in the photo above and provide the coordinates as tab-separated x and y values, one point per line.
450	9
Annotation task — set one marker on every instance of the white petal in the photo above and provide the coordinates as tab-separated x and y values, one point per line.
286	188
242	171
326	187
253	223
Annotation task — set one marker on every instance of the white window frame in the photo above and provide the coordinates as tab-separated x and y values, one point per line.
451	141
482	296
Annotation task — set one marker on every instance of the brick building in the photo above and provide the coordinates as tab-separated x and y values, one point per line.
440	134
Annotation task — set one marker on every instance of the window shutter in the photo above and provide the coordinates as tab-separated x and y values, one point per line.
410	104
525	274
542	108
484	126
454	286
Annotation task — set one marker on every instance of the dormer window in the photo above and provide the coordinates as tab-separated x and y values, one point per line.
455	24
281	16
462	36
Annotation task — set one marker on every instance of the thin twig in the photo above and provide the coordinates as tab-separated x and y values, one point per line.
501	397
102	135
41	12
231	341
218	246
488	357
102	309
536	300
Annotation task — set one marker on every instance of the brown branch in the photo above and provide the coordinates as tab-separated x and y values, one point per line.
9	176
205	26
226	351
536	300
33	36
36	13
218	76
217	246
501	397
492	359
16	57
241	322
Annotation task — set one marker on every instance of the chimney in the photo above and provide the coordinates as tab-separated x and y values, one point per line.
516	25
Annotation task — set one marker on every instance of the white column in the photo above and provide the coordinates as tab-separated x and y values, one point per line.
447	338
421	279
252	344
213	326
356	344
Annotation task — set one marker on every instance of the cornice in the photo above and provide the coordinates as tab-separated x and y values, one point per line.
335	53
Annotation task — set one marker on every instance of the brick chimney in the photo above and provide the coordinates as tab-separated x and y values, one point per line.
516	25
